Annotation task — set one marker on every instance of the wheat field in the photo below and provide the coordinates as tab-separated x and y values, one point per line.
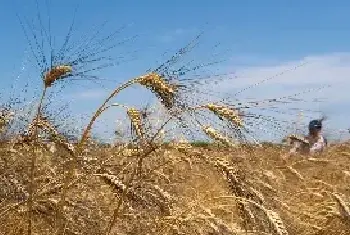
160	176
179	190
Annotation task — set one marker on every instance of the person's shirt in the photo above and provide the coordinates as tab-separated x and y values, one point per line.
317	144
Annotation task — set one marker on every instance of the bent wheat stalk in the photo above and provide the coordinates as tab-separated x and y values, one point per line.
152	81
344	208
100	110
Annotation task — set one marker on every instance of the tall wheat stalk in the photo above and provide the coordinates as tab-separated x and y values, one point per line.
32	165
52	75
100	110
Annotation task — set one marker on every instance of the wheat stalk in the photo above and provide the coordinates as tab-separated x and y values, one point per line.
32	165
238	186
52	75
114	181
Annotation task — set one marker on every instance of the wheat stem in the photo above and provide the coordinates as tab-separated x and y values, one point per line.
32	166
100	110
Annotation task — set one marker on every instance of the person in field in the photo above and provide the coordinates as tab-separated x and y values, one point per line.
317	141
313	143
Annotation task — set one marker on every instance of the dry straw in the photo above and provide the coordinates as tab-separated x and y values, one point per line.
153	81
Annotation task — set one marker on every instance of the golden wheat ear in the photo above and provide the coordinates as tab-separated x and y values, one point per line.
158	85
136	121
227	113
215	135
56	73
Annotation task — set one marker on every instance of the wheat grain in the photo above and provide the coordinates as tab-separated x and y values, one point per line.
277	222
114	181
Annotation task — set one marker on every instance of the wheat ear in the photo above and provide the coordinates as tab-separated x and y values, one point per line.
272	216
156	83
136	121
227	113
214	134
56	73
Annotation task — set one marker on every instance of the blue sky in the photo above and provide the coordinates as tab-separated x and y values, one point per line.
254	36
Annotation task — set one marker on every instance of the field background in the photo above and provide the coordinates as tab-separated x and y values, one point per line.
102	134
197	190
